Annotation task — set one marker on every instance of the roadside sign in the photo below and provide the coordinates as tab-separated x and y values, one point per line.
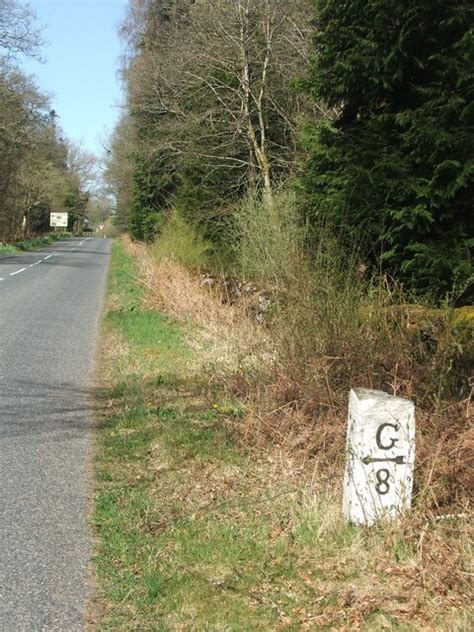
101	227
58	219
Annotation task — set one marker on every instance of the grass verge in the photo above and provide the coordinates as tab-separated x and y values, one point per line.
196	532
34	242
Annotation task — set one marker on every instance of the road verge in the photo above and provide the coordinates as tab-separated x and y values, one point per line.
33	243
197	531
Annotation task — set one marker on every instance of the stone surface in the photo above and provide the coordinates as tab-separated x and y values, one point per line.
380	449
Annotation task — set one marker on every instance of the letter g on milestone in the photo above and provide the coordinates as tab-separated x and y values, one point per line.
378	436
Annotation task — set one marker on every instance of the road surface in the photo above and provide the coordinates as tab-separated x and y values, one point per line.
50	303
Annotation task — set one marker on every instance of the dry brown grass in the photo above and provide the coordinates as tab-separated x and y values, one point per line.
293	377
232	347
417	570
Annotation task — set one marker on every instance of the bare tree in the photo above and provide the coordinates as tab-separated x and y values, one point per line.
18	31
118	172
215	81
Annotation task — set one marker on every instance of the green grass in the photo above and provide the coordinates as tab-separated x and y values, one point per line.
7	248
193	532
31	244
171	550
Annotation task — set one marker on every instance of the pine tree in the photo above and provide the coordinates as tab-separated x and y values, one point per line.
153	185
397	165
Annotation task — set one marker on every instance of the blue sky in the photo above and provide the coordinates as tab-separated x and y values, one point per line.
80	72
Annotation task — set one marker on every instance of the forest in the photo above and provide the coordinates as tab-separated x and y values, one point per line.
362	113
41	170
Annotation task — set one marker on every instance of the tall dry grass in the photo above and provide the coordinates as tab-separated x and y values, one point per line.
335	327
232	348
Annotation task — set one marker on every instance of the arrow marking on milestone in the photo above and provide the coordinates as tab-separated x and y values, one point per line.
398	460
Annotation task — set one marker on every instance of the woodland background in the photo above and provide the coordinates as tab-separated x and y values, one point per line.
363	111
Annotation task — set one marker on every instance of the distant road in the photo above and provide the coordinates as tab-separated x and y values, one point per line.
50	302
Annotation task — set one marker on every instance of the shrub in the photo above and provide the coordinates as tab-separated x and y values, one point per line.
182	242
333	327
269	239
34	242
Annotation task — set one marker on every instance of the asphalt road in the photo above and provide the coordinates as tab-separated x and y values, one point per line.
49	313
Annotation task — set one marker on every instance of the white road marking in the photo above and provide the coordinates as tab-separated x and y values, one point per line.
32	265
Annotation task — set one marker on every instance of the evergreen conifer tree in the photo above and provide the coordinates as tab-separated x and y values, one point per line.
397	165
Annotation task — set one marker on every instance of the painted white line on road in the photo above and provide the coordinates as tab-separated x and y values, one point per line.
36	263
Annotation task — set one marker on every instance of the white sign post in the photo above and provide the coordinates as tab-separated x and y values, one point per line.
380	445
58	219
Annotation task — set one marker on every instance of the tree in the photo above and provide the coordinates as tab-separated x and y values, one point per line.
23	113
18	31
99	208
40	171
119	167
397	165
209	91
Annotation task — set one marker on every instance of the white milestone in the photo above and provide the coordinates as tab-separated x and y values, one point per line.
380	448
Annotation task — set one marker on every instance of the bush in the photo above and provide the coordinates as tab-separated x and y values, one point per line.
269	239
334	326
182	242
34	242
